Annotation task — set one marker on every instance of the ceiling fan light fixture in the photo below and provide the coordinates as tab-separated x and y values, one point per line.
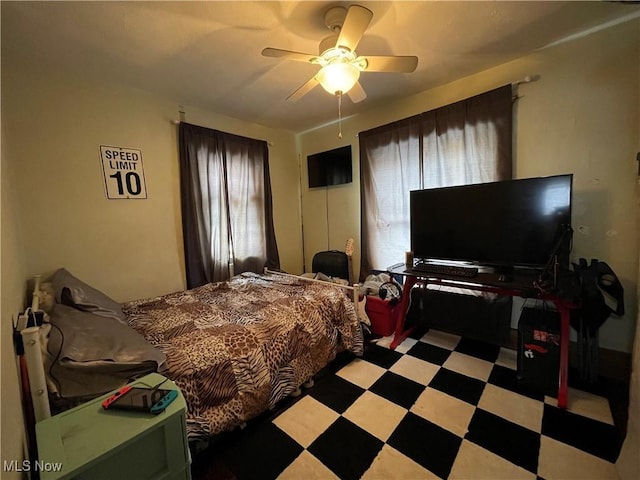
339	64
338	77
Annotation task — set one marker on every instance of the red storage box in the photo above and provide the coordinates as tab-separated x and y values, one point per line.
382	315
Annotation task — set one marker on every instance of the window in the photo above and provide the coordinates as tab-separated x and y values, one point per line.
465	142
227	213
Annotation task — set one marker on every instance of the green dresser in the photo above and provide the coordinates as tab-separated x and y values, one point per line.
88	442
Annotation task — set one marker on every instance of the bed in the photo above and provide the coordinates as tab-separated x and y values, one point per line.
234	348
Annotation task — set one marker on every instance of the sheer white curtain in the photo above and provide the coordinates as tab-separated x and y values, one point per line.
227	214
246	196
466	142
391	172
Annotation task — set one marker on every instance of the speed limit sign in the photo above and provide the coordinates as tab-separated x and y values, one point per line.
123	172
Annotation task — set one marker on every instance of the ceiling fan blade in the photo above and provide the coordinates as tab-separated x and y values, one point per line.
357	93
382	63
355	23
303	90
288	55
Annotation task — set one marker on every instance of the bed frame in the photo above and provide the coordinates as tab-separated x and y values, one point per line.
33	354
355	288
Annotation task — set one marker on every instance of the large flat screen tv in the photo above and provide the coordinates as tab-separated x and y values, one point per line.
332	167
513	223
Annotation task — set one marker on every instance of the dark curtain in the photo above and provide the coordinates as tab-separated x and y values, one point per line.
469	141
227	213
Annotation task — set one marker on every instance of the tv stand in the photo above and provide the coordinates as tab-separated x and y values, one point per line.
522	283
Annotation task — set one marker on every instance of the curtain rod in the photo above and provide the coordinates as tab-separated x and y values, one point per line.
516	84
527	79
177	122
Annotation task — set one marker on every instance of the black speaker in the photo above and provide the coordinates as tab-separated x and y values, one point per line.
539	350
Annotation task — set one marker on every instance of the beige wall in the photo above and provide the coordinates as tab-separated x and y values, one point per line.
127	248
12	297
581	116
628	463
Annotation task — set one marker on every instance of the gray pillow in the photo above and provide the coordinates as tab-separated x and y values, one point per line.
73	292
91	355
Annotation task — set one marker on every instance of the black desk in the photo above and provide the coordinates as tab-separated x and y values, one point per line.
524	283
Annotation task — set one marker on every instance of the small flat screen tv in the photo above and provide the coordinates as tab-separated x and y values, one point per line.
332	167
513	223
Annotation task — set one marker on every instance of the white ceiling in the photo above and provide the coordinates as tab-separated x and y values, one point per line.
207	54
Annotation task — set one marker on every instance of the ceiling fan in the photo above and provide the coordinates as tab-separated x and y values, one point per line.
341	65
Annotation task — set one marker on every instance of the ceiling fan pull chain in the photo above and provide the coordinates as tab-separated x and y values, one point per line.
339	114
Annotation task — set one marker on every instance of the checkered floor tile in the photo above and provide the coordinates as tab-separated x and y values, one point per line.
438	406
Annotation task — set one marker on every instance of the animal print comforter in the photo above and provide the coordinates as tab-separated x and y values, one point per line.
236	348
